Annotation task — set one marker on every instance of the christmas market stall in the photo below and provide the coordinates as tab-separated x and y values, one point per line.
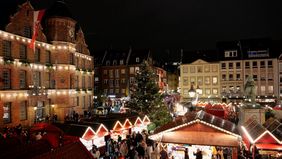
127	125
262	139
217	109
83	133
138	125
117	130
146	121
101	133
199	130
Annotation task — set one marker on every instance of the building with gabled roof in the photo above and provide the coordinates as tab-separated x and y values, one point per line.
117	69
199	128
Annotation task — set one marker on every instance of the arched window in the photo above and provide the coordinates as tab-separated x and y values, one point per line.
114	62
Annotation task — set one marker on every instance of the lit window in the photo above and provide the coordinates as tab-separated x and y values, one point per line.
214	91
214	80
131	70
7	112
122	71
121	62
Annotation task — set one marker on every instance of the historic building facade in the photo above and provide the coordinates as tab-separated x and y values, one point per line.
201	76
118	69
54	78
256	63
235	64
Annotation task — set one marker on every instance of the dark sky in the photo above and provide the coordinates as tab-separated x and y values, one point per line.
171	24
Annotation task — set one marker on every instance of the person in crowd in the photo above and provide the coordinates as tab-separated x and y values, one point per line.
220	153
186	155
38	136
149	148
131	152
198	154
123	149
163	154
141	151
95	152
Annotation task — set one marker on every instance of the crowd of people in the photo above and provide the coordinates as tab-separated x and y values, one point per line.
139	146
136	145
16	132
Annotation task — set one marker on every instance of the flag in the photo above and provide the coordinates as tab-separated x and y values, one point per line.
37	16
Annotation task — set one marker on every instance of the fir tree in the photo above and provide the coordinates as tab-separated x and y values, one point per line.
145	96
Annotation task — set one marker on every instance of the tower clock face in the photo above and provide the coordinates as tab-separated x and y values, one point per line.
71	32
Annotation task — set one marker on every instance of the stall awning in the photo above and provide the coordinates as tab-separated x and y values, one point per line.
200	138
269	146
198	128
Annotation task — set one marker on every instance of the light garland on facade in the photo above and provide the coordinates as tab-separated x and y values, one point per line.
13	94
10	36
42	67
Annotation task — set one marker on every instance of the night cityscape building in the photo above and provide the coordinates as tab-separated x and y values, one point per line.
235	62
116	71
54	79
220	102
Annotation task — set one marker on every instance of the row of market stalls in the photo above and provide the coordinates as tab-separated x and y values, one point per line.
264	139
221	110
97	133
198	130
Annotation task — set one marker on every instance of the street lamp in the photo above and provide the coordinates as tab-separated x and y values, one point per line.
192	91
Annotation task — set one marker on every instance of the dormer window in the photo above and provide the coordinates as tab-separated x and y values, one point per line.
121	62
137	59
114	62
108	63
230	53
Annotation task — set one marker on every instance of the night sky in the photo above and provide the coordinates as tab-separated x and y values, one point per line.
169	24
